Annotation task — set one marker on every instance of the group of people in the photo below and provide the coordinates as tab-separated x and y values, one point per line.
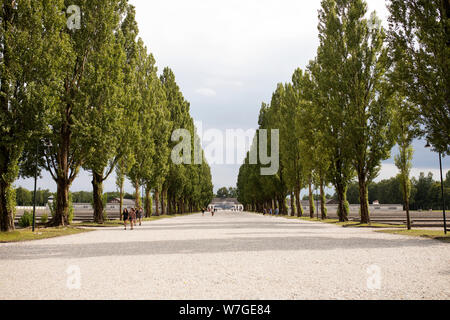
271	212
133	216
212	211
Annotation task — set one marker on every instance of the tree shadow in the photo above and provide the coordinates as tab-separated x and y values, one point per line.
204	246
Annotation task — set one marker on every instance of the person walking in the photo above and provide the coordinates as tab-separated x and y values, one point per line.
132	218
125	216
203	211
139	214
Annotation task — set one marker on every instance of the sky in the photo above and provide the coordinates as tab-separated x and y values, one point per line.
228	57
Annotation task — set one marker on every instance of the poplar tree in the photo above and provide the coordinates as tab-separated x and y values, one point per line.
73	120
406	128
361	61
130	31
32	56
108	131
419	39
147	85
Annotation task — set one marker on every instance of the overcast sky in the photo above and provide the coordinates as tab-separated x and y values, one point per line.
228	57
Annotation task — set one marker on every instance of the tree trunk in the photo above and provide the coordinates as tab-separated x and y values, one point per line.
406	199
364	199
342	205
121	202
164	202
63	179
97	184
157	202
62	204
137	194
169	204
284	206
311	201
323	208
6	213
148	203
298	203
294	207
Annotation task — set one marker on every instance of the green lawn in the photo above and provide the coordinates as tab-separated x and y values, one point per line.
42	233
431	234
109	223
348	224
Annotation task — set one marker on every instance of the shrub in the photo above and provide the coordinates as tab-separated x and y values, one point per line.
26	220
44	218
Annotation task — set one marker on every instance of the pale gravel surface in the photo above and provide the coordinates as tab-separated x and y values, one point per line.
229	256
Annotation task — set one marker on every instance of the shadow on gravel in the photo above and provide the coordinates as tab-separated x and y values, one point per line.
233	226
238	244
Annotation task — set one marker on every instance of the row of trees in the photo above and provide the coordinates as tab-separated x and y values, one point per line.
89	97
225	192
425	192
24	197
366	90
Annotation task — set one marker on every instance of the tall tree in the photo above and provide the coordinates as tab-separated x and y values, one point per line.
406	129
108	132
290	152
419	37
363	68
330	100
129	137
147	85
73	120
178	108
32	53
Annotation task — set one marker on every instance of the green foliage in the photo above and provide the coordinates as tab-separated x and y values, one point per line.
419	40
44	218
425	192
31	56
26	220
225	192
82	197
24	197
93	99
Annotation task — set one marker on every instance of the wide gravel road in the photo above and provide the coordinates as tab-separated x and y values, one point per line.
229	256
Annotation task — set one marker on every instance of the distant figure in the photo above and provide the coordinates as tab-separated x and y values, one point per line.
139	215
203	211
125	216
132	218
277	211
270	211
264	211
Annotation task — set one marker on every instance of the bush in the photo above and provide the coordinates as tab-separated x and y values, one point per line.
26	220
44	218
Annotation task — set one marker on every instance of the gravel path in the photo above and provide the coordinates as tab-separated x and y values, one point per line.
229	256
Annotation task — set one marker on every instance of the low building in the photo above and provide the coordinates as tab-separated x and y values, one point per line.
226	204
114	204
